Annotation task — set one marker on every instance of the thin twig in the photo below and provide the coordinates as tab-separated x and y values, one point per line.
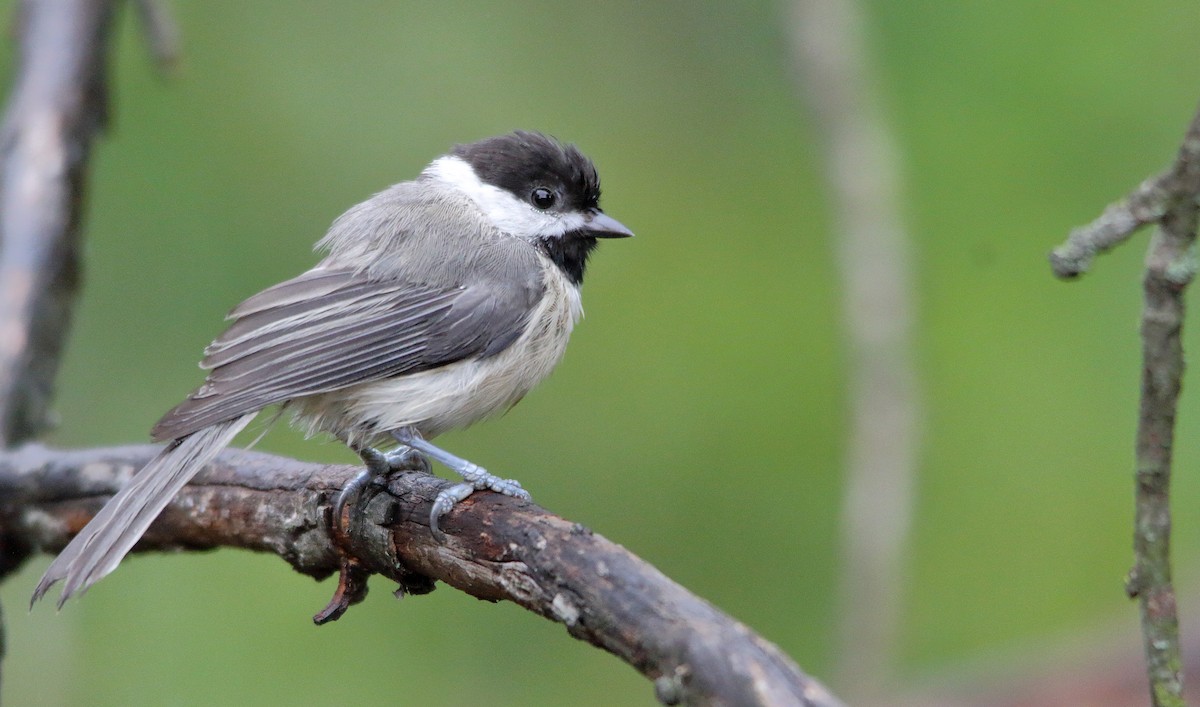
873	257
497	548
1113	227
1169	199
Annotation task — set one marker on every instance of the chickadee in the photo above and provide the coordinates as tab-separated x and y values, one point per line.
441	301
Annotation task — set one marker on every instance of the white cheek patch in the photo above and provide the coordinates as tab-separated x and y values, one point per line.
506	211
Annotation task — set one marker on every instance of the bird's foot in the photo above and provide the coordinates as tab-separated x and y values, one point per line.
475	478
377	466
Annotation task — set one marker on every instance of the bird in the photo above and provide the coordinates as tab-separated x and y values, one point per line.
439	301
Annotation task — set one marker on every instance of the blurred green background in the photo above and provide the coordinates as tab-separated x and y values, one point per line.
699	417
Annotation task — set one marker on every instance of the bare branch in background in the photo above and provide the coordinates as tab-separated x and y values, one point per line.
56	108
873	255
497	548
1170	200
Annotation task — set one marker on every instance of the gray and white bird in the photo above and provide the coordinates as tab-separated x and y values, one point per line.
441	301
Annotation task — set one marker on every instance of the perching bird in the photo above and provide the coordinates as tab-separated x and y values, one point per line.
441	301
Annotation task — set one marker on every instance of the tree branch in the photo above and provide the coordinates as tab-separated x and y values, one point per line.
497	548
1170	200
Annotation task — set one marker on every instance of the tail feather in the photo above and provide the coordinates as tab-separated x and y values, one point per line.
103	542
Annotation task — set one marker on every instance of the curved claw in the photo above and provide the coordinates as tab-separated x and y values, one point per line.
445	500
351	490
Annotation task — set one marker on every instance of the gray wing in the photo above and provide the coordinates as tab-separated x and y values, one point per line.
329	329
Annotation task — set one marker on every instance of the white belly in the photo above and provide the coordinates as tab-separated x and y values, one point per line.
456	395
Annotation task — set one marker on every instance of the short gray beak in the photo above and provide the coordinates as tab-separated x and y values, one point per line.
601	225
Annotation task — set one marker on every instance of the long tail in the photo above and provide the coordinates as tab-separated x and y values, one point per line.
100	546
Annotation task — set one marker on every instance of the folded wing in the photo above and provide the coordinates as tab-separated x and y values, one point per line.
329	329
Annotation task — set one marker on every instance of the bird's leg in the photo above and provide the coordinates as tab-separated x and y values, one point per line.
475	477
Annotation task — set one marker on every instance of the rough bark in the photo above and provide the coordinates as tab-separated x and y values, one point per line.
497	548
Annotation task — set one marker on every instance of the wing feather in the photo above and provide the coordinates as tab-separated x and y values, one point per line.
330	329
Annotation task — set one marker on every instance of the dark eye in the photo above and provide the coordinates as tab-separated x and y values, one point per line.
543	198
